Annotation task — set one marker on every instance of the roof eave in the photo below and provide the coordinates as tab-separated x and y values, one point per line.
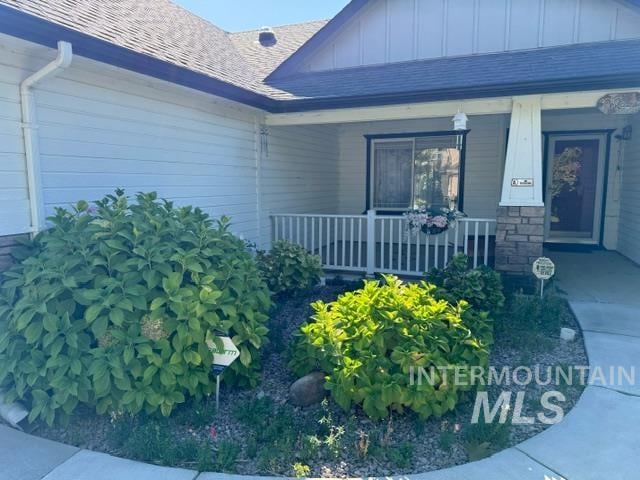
37	30
631	80
34	29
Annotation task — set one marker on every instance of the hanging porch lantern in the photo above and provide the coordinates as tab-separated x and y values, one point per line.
460	120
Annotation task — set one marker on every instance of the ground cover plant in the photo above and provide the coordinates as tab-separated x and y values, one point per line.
113	307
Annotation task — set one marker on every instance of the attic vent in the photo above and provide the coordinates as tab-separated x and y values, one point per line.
267	37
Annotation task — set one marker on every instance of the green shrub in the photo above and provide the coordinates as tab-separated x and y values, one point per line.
529	322
112	308
289	268
368	340
481	286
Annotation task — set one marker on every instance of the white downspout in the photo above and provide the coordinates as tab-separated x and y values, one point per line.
30	127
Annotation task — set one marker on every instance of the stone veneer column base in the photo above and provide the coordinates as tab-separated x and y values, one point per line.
519	239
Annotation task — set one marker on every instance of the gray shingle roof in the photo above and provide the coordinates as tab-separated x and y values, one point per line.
161	30
265	59
580	62
168	32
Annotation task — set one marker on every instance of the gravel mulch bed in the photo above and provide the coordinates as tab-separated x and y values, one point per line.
348	444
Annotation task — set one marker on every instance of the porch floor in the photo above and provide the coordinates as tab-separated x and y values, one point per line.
598	276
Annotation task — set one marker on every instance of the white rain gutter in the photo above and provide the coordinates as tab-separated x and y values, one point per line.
30	131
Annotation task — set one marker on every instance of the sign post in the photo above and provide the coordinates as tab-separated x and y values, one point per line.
222	358
543	269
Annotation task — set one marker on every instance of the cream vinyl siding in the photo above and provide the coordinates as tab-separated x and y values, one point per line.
102	128
14	195
300	172
629	230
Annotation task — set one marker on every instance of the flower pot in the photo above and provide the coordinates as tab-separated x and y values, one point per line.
433	230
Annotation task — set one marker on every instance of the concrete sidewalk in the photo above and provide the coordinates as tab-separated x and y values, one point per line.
597	440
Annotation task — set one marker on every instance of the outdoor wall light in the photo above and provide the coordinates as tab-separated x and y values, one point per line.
459	120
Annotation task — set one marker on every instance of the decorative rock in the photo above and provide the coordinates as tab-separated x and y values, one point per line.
567	334
12	413
307	390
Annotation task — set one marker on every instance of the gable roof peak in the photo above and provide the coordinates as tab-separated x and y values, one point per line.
316	41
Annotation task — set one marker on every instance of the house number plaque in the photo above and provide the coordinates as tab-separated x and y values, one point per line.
522	182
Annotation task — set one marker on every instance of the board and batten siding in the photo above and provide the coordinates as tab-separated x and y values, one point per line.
484	160
400	30
629	234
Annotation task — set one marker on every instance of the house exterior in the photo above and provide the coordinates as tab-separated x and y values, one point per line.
324	133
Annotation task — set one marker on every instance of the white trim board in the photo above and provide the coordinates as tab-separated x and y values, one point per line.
484	106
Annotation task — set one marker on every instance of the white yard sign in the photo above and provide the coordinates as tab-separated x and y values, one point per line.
543	269
223	356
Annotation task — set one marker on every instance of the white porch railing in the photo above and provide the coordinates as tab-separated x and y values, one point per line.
374	243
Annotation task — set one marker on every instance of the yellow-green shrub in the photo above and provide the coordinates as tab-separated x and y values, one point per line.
368	340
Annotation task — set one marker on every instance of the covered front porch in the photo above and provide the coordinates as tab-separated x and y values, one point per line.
526	171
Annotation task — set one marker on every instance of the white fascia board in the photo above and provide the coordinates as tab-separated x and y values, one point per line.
482	106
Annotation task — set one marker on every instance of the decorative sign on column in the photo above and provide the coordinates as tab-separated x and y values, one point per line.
620	103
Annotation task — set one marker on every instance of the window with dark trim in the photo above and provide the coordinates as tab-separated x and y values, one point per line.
415	170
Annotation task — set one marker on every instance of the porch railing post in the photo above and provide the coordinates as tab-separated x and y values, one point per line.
371	242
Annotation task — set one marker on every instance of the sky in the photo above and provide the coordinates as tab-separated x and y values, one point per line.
238	15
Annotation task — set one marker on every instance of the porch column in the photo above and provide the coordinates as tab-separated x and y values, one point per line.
520	218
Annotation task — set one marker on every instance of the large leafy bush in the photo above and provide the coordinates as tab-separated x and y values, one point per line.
113	306
289	268
367	342
481	287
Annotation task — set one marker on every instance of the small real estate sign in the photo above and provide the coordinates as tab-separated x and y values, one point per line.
224	353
